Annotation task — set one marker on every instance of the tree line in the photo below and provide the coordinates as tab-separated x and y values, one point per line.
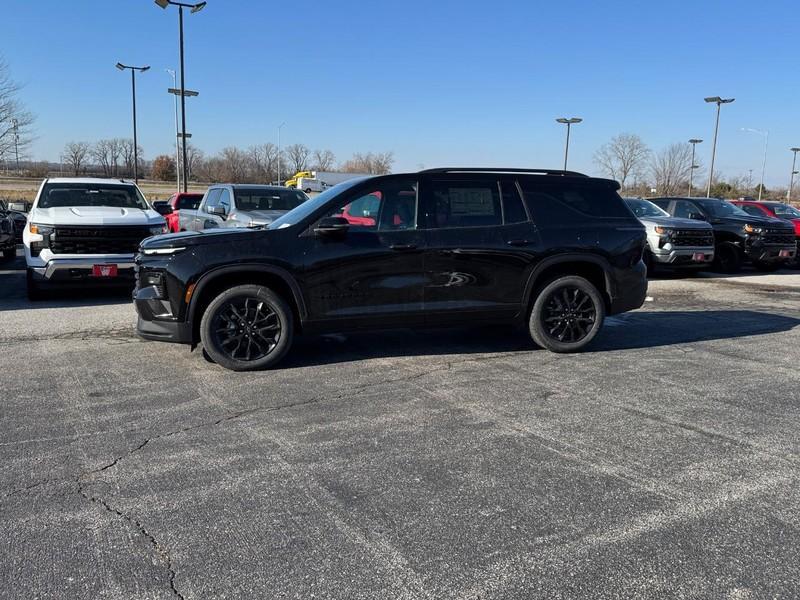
259	163
639	170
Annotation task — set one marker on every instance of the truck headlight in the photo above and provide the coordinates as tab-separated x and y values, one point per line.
37	229
662	230
159	229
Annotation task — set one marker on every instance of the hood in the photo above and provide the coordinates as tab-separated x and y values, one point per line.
194	238
262	216
95	215
675	223
759	221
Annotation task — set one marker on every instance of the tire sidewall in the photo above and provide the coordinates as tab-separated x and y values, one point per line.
735	264
536	328
275	302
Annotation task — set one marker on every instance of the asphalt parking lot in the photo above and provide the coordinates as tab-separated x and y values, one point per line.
461	464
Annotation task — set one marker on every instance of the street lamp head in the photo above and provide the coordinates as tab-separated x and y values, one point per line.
163	3
120	66
713	99
570	121
198	7
695	141
794	149
727	100
143	69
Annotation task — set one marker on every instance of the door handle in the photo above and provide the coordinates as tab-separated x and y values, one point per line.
401	247
519	242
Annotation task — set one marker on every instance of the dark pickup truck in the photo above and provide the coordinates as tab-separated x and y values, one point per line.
738	237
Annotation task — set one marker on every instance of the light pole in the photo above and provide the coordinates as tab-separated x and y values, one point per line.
764	162
693	166
15	125
279	151
568	122
193	9
133	70
719	102
794	152
177	137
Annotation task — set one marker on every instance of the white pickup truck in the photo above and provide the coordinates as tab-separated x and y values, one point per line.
240	205
83	230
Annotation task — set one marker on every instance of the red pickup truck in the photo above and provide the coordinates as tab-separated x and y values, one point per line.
776	210
178	201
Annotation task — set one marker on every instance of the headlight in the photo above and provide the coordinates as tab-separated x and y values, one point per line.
662	230
750	229
158	230
37	229
161	251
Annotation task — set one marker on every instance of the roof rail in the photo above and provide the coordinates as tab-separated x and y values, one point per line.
504	170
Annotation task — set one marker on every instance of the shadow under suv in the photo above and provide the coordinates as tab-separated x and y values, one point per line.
554	250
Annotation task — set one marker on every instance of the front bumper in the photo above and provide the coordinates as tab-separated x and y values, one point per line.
79	270
683	257
770	253
155	321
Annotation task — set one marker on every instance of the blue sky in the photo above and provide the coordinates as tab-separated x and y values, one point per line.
437	82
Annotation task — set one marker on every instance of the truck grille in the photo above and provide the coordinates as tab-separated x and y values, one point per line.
97	240
778	237
692	237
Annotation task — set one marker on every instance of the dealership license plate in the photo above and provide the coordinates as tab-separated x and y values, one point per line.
698	257
785	254
104	270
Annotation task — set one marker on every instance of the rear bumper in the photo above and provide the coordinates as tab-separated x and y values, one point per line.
628	289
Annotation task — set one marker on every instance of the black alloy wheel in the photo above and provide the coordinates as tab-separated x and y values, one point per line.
567	314
247	327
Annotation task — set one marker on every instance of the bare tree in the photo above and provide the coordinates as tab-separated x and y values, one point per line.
263	161
75	156
375	164
194	156
324	160
126	152
16	123
234	164
624	156
670	169
101	153
297	155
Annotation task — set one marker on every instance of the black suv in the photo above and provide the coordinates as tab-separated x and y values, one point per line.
555	250
738	237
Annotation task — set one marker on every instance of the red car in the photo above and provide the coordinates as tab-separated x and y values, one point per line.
776	210
178	201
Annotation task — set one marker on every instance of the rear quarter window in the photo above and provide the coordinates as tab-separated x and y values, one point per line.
558	202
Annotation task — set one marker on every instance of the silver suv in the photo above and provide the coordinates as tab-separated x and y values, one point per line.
673	243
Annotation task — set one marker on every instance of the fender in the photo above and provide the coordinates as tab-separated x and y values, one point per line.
550	261
209	277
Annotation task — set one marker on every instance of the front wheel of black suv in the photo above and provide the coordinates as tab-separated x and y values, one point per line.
567	314
727	258
247	327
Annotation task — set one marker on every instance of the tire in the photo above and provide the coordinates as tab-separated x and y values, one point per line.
727	258
554	316
9	253
253	305
35	293
308	190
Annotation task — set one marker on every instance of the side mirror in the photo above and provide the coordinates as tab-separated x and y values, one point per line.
163	209
697	216
332	227
218	210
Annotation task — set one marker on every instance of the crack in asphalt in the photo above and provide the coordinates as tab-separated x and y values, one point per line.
120	334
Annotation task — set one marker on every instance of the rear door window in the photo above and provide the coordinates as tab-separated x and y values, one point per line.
465	204
513	209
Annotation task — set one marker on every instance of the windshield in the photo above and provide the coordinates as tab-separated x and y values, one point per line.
248	199
58	195
784	210
645	208
721	208
308	208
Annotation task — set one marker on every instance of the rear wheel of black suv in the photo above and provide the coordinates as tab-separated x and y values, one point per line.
247	327
567	314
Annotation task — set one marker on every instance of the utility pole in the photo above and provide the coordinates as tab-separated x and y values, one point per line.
694	166
794	152
568	122
719	102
